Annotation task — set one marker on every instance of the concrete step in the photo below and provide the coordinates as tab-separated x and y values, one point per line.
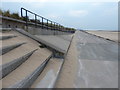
9	67
22	50
5	29
25	69
6	37
29	80
17	53
48	77
6	49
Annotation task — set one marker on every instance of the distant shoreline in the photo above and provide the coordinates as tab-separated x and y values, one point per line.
100	30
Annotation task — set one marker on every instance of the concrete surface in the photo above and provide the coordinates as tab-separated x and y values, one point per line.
68	73
40	31
91	62
28	66
22	50
9	67
29	80
6	49
97	62
6	37
49	75
56	42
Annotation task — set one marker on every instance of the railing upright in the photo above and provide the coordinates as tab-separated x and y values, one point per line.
26	19
35	20
47	24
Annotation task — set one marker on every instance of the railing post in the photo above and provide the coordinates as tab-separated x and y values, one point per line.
21	13
59	27
54	28
51	25
35	20
47	24
26	20
54	25
42	22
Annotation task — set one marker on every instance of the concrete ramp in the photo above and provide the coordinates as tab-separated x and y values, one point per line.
58	42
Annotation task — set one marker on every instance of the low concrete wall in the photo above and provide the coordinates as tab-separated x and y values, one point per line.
8	22
12	23
39	31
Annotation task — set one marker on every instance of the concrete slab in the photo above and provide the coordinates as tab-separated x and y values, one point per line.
68	73
56	42
97	62
66	37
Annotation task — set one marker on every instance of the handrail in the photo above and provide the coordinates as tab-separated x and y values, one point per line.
53	25
40	22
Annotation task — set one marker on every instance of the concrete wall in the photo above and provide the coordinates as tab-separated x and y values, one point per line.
14	23
39	31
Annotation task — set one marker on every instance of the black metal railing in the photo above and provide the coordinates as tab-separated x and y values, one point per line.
41	22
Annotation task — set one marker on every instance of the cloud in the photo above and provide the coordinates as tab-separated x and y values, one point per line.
78	13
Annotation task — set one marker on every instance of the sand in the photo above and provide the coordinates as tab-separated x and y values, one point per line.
107	34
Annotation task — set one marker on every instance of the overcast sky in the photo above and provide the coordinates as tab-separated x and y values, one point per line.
92	15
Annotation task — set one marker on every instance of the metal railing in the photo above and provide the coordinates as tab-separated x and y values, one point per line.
41	22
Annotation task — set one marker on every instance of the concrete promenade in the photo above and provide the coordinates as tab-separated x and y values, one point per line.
91	62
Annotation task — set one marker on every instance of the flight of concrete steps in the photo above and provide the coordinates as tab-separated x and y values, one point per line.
25	64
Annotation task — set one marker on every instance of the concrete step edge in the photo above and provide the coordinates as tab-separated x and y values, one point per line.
29	80
6	37
5	29
9	67
6	49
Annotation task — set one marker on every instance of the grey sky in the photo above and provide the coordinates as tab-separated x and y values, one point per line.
80	15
